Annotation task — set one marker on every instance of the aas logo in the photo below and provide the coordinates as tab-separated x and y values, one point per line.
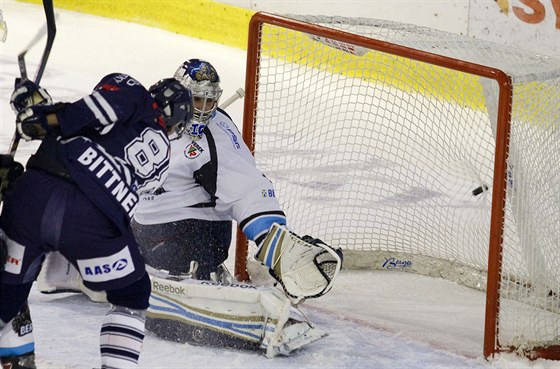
120	264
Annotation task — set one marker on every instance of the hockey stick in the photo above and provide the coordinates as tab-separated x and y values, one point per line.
51	33
239	93
21	56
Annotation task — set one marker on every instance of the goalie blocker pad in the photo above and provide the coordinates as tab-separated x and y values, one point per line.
236	316
305	267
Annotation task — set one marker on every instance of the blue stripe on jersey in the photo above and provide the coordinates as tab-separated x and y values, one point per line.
261	225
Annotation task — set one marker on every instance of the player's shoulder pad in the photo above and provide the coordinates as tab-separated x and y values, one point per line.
117	81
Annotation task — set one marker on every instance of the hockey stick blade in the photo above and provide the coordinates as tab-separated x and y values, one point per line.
50	27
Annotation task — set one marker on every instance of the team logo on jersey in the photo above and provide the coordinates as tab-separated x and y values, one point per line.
193	150
107	268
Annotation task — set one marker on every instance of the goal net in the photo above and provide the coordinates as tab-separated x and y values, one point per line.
416	150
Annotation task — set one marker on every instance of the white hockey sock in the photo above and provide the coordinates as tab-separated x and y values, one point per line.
122	334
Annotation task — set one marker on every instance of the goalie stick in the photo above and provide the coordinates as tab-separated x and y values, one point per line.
50	28
239	93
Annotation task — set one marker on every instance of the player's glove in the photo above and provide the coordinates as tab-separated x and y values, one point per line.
32	104
305	266
10	171
32	123
27	94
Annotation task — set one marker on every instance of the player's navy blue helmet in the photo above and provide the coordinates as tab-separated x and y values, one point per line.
175	101
204	82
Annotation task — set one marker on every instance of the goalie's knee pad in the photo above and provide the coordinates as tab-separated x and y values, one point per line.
134	296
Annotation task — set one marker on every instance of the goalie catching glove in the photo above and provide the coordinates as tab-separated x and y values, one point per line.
304	266
32	104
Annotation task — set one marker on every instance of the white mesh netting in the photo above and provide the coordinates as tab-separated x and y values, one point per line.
380	155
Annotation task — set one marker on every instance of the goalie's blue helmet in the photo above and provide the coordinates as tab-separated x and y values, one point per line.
175	101
203	80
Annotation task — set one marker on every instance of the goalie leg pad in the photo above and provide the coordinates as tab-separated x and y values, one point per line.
237	316
181	332
58	275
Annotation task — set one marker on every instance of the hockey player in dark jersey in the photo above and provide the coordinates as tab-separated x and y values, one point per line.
78	195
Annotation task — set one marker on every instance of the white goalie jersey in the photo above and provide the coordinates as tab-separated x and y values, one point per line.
213	177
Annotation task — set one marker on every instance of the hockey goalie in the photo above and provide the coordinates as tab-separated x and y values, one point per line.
221	312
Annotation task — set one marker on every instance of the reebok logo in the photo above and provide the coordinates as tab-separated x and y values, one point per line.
168	288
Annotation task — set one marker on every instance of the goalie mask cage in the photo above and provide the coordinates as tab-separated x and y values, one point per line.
416	150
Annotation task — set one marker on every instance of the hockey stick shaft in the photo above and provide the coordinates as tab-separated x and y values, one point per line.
51	33
21	56
239	93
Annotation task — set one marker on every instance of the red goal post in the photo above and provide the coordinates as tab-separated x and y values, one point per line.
414	69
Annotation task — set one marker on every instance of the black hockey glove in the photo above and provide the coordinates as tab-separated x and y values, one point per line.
32	104
10	171
27	94
32	123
